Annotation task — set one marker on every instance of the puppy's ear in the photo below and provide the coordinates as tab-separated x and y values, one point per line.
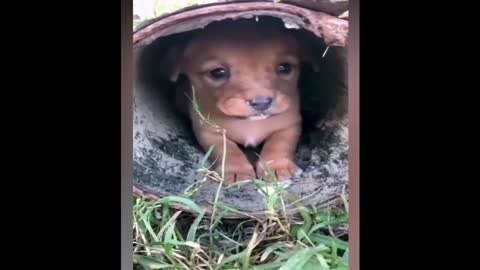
308	52
310	57
172	63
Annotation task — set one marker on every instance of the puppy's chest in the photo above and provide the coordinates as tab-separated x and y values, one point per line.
249	134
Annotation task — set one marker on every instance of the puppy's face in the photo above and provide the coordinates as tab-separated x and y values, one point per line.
246	72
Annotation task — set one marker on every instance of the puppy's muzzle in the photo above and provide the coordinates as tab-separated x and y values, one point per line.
261	104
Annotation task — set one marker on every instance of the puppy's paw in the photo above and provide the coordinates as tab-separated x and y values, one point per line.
237	172
283	168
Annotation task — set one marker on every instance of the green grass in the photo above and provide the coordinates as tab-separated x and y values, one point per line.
165	238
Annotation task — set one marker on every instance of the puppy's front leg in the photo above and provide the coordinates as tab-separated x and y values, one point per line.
278	154
237	166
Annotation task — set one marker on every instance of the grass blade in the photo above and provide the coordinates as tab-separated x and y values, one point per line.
300	258
149	262
207	155
328	240
168	223
248	251
271	249
187	202
169	237
193	229
229	259
192	205
345	257
322	261
268	266
316	227
307	219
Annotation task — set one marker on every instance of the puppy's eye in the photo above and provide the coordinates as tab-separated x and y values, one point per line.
284	68
220	73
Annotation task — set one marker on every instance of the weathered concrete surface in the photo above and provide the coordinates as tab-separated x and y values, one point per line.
331	28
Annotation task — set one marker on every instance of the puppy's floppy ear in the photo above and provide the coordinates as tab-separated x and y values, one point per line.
309	57
308	52
172	63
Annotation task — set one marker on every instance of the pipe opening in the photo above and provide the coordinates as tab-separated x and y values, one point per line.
167	155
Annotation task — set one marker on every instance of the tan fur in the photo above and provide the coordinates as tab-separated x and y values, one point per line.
252	53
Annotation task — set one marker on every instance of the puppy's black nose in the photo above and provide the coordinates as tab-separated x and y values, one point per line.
261	103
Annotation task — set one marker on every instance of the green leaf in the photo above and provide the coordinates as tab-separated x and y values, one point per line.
312	264
268	266
149	262
193	229
230	258
168	224
169	238
345	257
328	240
316	227
187	202
299	259
186	243
205	158
192	205
307	219
248	251
271	249
322	261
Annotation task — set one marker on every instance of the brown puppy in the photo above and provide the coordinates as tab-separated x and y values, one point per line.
245	76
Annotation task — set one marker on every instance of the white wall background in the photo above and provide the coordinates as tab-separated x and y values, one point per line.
147	9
